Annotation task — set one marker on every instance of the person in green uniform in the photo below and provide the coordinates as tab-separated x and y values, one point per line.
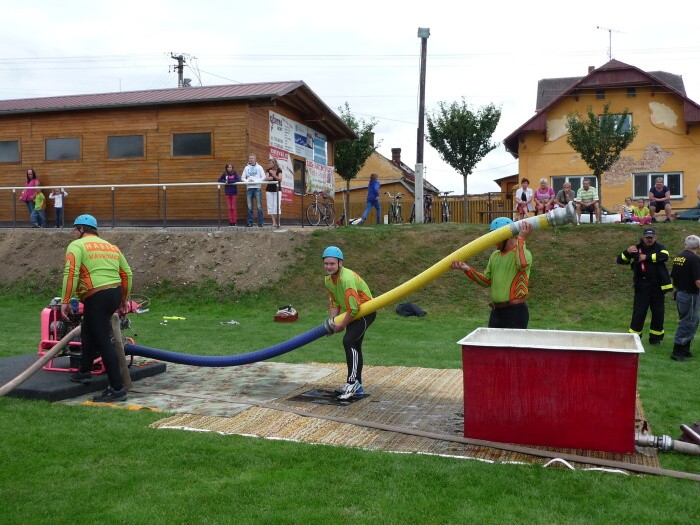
347	291
97	272
508	275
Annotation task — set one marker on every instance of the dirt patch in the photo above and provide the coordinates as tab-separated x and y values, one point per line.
247	258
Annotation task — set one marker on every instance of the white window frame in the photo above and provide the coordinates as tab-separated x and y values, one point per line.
651	176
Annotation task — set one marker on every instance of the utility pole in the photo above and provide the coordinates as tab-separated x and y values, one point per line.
423	34
610	32
180	68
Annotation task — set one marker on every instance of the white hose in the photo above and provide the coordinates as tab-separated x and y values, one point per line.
36	366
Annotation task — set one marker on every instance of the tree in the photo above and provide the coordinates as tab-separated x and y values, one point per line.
462	137
599	139
351	155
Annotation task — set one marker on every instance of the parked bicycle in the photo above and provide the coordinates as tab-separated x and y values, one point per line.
427	209
395	215
444	207
321	210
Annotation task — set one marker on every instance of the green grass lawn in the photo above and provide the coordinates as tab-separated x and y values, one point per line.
67	464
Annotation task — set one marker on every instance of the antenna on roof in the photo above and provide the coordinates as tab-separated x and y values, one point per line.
610	32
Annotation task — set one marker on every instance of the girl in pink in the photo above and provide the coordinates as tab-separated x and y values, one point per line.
544	198
29	193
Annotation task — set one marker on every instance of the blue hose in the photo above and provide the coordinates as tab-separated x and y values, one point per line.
228	360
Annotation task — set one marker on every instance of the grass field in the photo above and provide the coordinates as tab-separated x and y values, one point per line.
66	464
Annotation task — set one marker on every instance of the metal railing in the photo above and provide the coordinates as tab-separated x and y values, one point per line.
92	197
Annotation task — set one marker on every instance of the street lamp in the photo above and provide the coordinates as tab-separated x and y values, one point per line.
423	34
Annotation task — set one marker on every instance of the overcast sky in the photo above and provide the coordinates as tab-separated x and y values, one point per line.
362	52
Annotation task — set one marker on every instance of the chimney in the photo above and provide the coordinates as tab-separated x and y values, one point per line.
396	156
372	138
591	69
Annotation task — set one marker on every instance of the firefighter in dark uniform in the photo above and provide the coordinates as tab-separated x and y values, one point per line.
651	282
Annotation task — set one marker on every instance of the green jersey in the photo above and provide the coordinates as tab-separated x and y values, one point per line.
507	273
93	264
347	291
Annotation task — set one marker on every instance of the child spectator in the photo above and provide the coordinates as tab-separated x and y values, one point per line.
641	213
57	195
39	213
627	210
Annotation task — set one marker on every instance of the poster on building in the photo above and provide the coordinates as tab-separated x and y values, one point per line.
285	164
320	177
298	139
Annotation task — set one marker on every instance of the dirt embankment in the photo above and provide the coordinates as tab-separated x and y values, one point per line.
248	258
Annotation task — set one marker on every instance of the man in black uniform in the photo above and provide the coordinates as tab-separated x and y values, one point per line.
651	282
686	279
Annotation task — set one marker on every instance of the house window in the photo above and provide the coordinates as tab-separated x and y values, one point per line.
9	150
191	144
644	181
125	147
63	149
576	182
631	92
600	94
626	124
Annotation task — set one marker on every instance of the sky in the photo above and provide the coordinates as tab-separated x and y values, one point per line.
363	53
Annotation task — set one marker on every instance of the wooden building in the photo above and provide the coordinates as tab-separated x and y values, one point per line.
165	137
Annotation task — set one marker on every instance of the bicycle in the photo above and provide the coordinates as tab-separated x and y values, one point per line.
444	208
395	215
427	209
320	210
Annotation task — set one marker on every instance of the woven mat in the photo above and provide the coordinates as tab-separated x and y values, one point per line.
422	399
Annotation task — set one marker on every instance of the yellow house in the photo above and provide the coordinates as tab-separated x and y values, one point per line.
667	144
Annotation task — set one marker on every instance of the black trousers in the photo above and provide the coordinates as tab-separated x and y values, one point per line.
352	342
96	333
648	296
516	316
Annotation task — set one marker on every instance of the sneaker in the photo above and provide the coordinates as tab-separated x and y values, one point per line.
667	220
678	358
342	388
110	395
81	377
352	390
655	342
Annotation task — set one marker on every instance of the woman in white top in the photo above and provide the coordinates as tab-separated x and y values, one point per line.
523	198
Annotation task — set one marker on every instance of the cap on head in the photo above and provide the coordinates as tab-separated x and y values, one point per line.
499	222
85	220
333	251
650	232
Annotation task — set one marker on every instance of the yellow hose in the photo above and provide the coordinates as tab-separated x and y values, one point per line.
555	217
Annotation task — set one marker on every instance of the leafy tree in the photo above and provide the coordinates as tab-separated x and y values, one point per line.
351	155
599	139
462	137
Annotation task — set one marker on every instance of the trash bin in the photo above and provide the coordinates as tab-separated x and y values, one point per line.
551	388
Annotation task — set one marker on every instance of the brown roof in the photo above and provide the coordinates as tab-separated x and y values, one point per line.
293	93
612	74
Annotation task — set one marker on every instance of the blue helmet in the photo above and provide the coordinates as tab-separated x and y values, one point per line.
85	220
333	251
499	222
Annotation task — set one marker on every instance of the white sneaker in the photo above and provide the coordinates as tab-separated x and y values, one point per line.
342	388
352	390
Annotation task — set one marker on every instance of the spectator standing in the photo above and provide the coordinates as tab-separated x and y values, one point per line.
564	196
544	198
587	200
685	273
347	292
253	173
651	281
28	194
660	197
508	275
372	198
230	177
39	213
523	198
56	196
97	272
273	192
